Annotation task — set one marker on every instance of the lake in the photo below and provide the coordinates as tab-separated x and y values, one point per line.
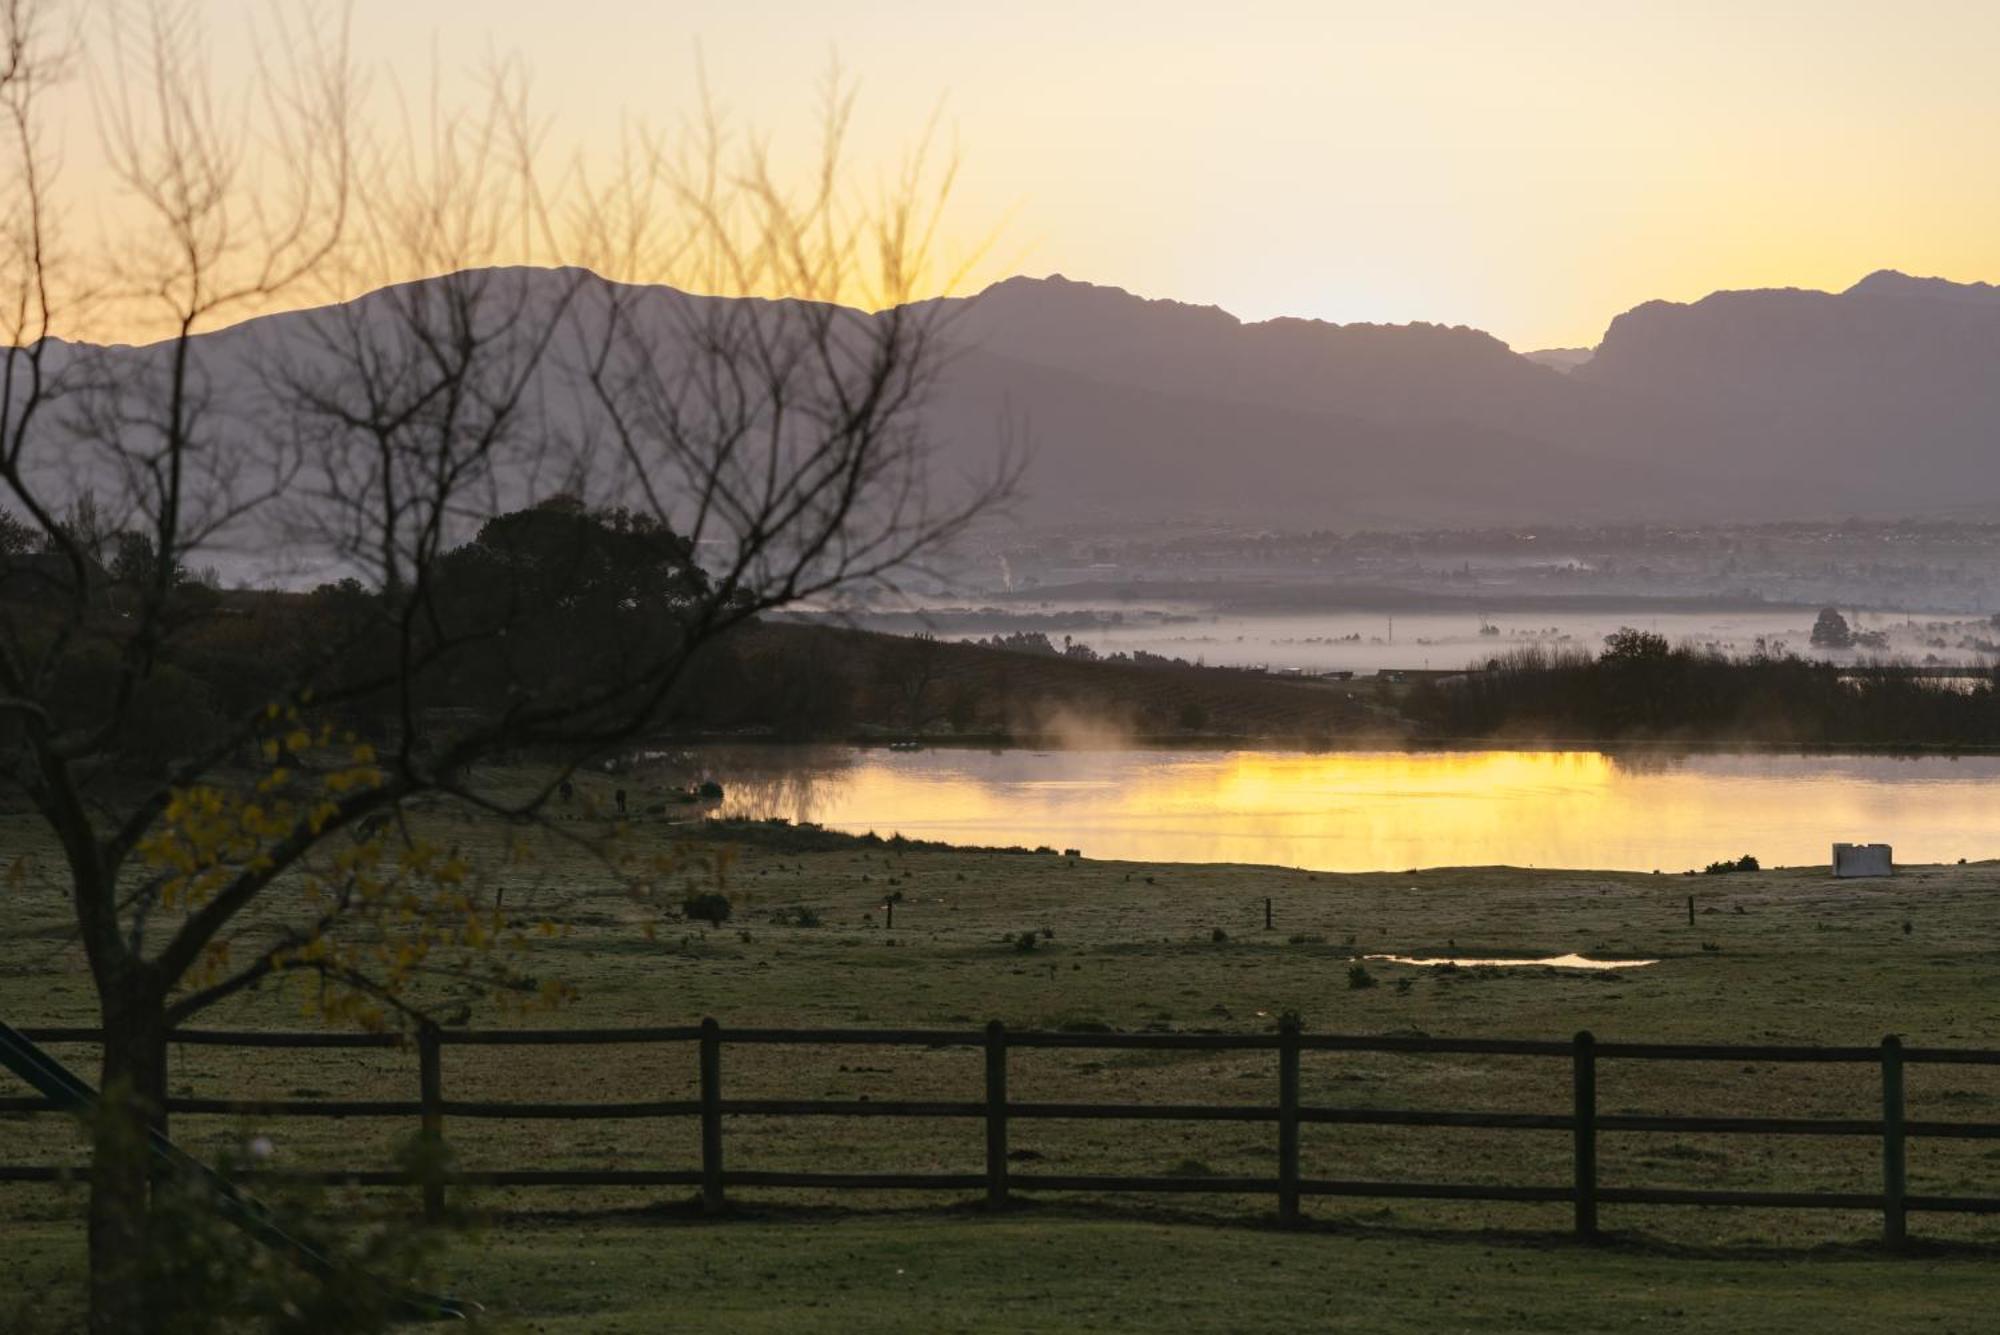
1385	810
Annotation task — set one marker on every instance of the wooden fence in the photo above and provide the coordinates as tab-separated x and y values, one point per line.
1583	1123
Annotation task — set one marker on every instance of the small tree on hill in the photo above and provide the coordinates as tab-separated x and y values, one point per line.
1626	646
1831	630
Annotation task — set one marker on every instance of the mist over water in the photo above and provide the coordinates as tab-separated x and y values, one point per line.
1367	642
1388	810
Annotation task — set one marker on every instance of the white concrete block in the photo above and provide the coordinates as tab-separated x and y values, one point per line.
1863	860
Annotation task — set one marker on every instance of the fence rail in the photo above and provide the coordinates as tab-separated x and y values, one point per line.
999	1180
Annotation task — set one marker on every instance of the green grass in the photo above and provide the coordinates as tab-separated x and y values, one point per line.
1793	957
1049	1269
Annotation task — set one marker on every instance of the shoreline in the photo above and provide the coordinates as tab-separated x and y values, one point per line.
1366	745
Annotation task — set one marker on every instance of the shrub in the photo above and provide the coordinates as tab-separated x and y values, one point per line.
707	906
1724	867
1218	936
1025	942
200	1272
1358	976
1831	631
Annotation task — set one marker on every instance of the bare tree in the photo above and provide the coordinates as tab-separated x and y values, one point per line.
541	489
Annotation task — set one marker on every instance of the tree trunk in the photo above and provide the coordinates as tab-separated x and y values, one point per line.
134	1084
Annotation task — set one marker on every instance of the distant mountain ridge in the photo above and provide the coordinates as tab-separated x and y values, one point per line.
1162	408
1884	398
1561	359
1890	389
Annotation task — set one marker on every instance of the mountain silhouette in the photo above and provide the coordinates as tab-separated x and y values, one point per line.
1888	392
1561	359
1881	399
1160	408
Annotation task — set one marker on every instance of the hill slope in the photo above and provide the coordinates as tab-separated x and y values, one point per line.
1889	390
1881	399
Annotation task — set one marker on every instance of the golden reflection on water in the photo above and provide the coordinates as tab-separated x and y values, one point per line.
1356	811
1570	961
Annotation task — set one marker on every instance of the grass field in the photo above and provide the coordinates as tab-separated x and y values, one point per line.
1784	956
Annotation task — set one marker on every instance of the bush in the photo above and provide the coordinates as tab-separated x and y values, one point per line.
1358	976
1831	630
1724	867
1025	942
199	1272
706	906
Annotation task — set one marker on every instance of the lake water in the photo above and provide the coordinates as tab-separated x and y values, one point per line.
1363	811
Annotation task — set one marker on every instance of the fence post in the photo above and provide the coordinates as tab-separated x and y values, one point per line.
1267	913
1288	1119
996	1114
711	1116
430	1084
1583	1114
156	1096
1895	1179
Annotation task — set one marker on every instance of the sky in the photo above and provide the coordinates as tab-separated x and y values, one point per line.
1531	169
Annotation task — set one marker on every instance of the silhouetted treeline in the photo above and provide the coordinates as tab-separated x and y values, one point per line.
1038	642
1642	688
568	598
556	595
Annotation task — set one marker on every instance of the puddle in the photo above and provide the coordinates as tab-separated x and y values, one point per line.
1552	962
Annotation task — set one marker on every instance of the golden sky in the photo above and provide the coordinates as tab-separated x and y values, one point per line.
1528	168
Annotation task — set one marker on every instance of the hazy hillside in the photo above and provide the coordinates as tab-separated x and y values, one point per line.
1561	359
1399	373
1890	390
1159	408
1428	376
1113	450
1880	399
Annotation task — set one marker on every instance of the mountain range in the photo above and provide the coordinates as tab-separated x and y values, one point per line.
1882	399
